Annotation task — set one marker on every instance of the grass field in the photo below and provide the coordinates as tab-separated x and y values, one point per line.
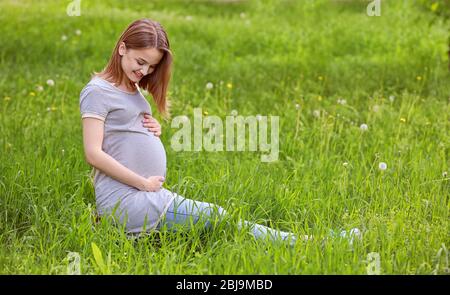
324	67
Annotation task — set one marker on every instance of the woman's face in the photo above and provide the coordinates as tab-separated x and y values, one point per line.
136	63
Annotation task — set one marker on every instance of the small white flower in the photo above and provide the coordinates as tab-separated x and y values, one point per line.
243	15
234	113
39	88
50	82
363	127
209	85
342	101
391	98
376	108
382	166
48	109
444	174
78	32
188	18
63	37
345	164
297	106
316	113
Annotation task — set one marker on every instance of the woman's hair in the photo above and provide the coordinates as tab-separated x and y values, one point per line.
145	33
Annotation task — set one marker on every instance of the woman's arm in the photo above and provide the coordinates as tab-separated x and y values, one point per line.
96	157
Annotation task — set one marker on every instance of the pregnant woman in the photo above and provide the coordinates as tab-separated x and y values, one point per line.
121	140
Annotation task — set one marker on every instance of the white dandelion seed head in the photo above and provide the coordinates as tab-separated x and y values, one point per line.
391	98
376	108
39	88
63	37
382	166
78	32
234	113
297	106
316	113
209	85
444	174
50	82
364	127
48	109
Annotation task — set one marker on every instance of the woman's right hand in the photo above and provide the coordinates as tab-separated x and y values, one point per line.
153	183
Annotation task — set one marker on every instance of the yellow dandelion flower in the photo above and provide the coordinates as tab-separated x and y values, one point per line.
8	145
319	98
403	120
32	93
419	78
434	6
320	78
205	113
6	98
229	85
53	108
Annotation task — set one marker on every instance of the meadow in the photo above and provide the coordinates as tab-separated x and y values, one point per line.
363	107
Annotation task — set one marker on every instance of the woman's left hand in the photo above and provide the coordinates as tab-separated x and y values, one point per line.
151	124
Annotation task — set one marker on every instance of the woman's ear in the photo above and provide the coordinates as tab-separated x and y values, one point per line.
122	48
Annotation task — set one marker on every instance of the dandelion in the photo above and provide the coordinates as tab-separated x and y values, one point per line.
319	98
6	98
63	151
243	15
32	93
205	113
403	120
376	108
78	32
418	78
39	88
342	101
234	113
48	109
364	127
209	85
53	108
382	166
229	85
8	145
345	164
391	98
434	6
188	18
63	37
444	174
320	78
316	113
50	82
297	106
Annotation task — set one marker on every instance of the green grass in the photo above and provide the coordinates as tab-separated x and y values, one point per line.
282	53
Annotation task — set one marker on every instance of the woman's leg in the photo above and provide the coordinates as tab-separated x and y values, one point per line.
186	212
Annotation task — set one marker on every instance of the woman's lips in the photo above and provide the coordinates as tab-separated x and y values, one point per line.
139	75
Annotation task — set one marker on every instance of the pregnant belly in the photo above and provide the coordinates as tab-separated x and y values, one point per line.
142	153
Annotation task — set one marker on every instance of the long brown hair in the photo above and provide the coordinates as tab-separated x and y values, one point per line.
145	33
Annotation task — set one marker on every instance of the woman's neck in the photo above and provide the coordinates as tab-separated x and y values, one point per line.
125	85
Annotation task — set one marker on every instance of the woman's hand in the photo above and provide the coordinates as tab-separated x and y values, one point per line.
151	124
153	183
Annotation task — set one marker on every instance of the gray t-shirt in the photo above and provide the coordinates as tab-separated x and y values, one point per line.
132	145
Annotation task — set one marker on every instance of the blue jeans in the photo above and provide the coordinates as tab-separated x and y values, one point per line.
185	213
